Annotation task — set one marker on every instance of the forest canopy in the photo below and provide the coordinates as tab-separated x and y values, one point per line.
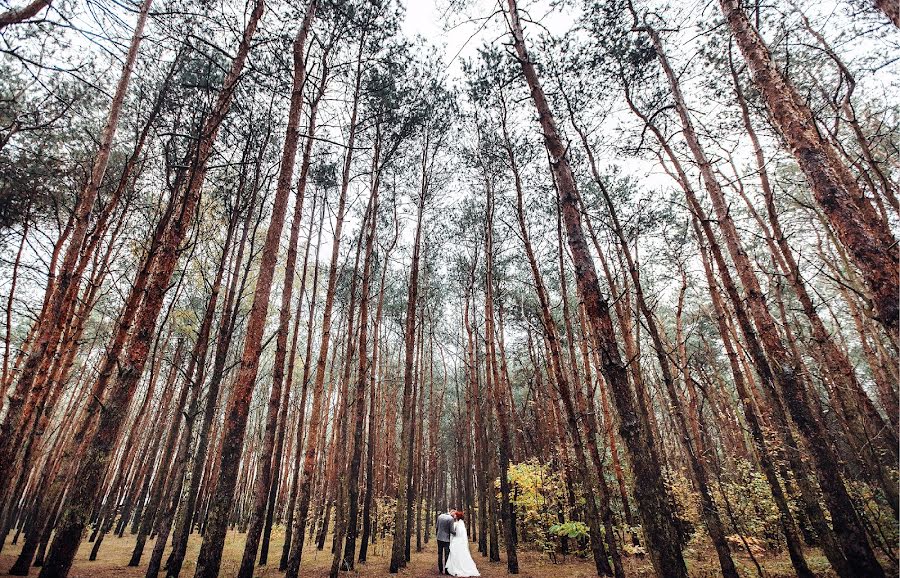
617	281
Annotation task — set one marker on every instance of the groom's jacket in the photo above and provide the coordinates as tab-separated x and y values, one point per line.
444	527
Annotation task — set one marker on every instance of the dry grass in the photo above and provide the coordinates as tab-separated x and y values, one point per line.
116	552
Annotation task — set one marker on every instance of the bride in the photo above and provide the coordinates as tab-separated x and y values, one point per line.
460	562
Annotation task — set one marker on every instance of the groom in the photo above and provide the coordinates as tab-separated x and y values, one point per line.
444	531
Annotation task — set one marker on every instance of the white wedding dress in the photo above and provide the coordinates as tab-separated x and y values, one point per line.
460	562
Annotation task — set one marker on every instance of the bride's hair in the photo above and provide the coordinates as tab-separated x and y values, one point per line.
459	515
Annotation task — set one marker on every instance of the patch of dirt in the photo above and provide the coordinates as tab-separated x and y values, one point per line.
116	552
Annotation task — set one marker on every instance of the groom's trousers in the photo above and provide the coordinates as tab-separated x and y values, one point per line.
443	554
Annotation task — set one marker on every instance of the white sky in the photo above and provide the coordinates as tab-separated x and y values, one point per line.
421	17
461	33
429	18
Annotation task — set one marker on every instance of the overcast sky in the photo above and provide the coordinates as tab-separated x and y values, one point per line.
430	18
460	34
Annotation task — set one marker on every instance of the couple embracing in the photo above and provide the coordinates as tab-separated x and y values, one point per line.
454	558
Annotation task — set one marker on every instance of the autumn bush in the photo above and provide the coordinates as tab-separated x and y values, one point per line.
538	495
747	499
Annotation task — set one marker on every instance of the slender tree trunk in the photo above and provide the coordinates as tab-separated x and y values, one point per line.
195	375
90	470
7	341
630	349
709	509
691	443
312	449
866	236
59	292
239	402
475	398
401	530
561	380
200	470
811	505
651	494
164	521
359	400
496	390
876	443
298	438
162	473
371	434
339	459
846	522
298	444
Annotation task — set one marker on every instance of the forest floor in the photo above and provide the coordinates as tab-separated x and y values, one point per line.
116	552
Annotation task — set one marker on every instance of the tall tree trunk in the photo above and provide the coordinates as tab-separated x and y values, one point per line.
7	340
561	380
875	441
163	469
475	398
650	492
195	379
401	522
185	520
691	443
709	509
812	508
340	459
239	403
371	434
307	363
359	400
69	531
583	404
847	524
25	396
859	227
298	438
496	388
315	424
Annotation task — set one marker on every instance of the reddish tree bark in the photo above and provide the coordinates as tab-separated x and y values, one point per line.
17	15
650	493
68	533
224	336
401	521
51	322
336	487
239	402
371	434
166	459
690	442
307	363
859	227
874	440
365	364
312	450
496	388
561	381
847	524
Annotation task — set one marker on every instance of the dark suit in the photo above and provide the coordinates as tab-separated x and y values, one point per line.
444	531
